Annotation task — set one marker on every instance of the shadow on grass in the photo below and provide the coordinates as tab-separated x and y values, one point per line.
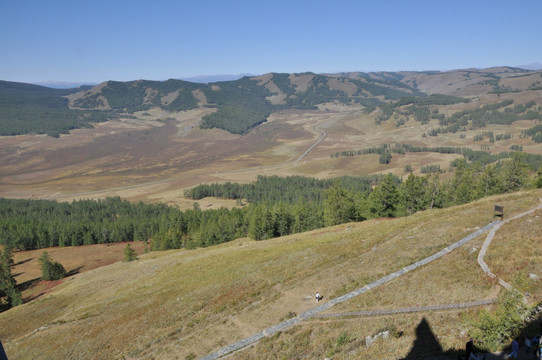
427	347
74	271
27	284
23	261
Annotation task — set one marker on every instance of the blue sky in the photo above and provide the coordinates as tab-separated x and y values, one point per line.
94	41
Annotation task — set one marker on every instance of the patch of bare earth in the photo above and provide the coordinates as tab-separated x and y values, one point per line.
75	259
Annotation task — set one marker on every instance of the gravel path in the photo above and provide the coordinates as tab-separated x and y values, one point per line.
488	241
313	312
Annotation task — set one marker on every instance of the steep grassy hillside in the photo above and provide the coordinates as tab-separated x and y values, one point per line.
186	304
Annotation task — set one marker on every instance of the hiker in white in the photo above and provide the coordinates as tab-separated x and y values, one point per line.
318	296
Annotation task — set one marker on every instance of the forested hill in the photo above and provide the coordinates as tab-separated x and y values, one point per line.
26	108
240	105
244	103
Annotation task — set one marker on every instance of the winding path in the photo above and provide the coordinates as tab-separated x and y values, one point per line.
312	313
488	241
324	134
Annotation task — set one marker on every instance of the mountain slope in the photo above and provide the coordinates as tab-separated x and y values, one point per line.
26	108
462	82
187	304
244	103
241	104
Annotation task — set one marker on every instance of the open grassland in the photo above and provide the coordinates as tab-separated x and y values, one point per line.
154	155
188	303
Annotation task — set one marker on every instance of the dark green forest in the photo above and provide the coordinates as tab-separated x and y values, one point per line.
279	206
32	109
291	189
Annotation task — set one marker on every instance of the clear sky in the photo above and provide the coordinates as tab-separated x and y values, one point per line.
98	40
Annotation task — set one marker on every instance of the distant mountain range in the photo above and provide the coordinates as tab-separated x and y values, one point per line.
532	66
205	79
240	104
64	84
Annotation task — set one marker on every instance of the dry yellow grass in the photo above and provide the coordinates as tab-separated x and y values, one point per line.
155	156
176	304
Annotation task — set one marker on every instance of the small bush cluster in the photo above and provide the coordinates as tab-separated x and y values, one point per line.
50	270
494	329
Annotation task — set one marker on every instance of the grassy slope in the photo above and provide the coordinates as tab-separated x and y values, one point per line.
177	303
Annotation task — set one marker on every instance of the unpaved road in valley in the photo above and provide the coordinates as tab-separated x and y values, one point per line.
263	168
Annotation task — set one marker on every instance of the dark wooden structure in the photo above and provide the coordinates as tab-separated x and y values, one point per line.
499	211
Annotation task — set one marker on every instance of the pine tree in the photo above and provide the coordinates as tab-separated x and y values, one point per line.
50	270
338	205
538	179
514	173
414	191
129	254
7	281
260	223
386	200
462	188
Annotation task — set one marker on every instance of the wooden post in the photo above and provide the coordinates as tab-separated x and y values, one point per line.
499	211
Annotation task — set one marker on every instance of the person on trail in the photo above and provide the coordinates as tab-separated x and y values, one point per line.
515	349
318	296
470	354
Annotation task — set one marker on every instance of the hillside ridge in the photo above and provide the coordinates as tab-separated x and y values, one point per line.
327	305
244	103
238	288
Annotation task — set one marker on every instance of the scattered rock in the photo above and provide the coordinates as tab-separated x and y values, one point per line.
533	276
371	339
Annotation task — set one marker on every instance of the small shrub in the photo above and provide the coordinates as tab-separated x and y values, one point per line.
494	329
129	254
343	339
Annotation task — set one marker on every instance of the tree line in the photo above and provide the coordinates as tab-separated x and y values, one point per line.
477	156
277	206
290	189
32	224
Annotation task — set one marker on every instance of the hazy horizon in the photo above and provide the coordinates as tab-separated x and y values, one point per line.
82	42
